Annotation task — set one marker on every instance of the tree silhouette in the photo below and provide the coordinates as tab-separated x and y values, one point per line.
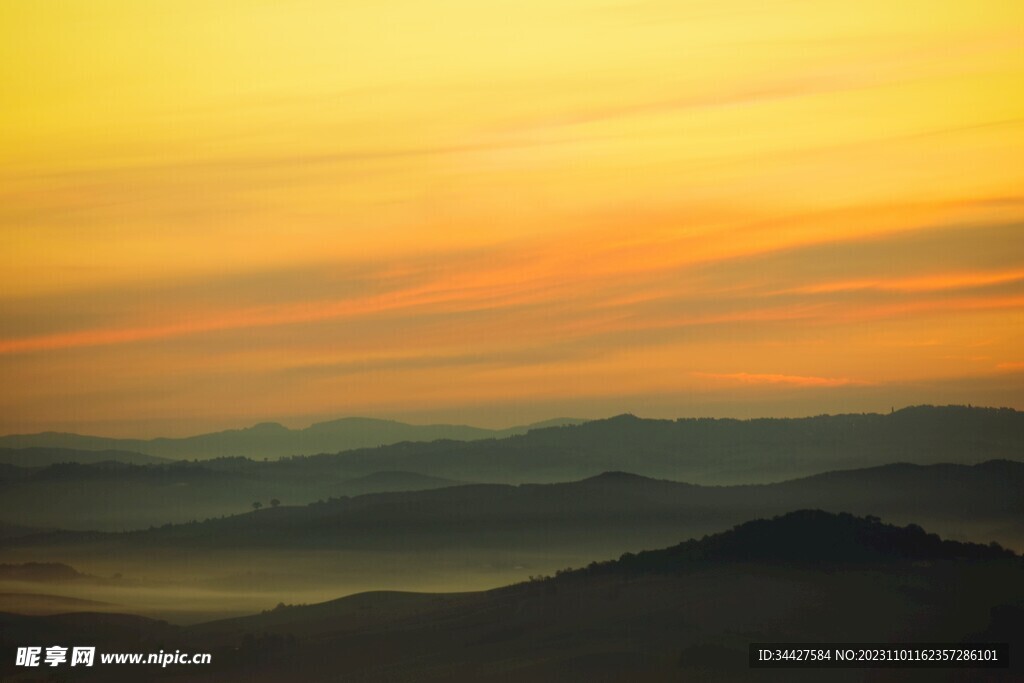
257	505
274	502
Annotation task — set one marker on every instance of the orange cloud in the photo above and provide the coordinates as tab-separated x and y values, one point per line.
788	380
924	283
416	218
443	295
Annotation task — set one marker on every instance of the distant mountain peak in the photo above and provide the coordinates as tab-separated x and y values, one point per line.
276	427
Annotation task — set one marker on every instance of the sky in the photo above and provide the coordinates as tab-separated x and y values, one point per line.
218	213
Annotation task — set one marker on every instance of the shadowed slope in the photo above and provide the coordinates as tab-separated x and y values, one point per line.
682	613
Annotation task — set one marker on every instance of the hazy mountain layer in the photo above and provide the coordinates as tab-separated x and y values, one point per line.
269	439
699	451
115	496
682	613
710	451
613	510
44	456
707	451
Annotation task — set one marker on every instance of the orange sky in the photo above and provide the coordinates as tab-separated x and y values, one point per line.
213	214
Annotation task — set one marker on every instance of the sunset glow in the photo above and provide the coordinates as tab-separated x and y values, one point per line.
213	214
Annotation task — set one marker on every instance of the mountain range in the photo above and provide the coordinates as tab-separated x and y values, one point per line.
267	439
115	495
614	510
699	450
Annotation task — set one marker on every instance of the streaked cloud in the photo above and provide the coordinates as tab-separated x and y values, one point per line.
409	209
925	283
788	380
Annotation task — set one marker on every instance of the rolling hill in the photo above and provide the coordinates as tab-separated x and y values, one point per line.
707	452
686	612
602	513
710	451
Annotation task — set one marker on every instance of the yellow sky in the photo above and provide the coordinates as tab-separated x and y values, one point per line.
218	213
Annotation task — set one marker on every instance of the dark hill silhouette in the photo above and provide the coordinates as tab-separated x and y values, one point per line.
609	511
40	571
707	451
113	631
664	615
806	536
700	451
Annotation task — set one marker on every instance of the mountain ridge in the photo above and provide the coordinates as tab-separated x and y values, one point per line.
683	612
272	439
624	505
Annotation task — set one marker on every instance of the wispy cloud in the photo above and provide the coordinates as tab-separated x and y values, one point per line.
645	198
787	380
921	283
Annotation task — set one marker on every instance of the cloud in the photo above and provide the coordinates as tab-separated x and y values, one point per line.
559	288
920	283
777	379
